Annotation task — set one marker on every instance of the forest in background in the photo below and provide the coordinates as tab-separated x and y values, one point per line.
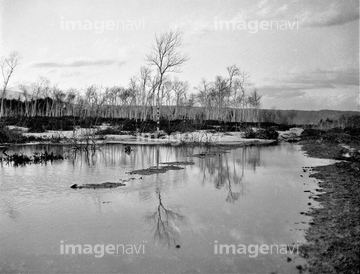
155	94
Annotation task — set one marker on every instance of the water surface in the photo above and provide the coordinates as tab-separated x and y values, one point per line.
176	220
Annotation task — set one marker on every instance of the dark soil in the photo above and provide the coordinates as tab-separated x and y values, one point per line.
94	186
155	170
210	153
178	163
104	185
334	234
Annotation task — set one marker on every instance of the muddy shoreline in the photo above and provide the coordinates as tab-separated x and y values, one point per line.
333	238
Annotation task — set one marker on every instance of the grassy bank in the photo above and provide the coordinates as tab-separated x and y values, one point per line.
334	234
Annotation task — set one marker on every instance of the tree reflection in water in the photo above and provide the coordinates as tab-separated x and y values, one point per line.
79	157
232	196
227	170
166	223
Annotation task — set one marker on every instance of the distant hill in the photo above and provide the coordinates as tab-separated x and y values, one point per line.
313	116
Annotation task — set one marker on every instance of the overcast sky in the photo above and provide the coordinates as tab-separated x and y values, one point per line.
309	63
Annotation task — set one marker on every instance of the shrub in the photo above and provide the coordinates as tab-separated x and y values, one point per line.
9	136
312	133
261	133
352	131
250	133
267	134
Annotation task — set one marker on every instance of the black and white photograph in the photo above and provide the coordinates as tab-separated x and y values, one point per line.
179	136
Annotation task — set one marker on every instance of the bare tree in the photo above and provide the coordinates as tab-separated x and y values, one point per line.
70	100
135	97
254	101
58	101
233	71
180	88
145	78
38	89
166	58
166	95
203	96
221	89
154	82
243	83
27	96
189	106
223	98
93	100
7	64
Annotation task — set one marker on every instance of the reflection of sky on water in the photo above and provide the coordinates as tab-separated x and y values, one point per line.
250	195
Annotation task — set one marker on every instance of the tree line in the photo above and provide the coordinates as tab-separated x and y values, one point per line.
154	92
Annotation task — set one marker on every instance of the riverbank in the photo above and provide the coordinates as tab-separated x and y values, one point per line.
334	233
96	136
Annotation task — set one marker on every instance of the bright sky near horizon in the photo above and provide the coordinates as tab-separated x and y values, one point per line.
301	54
